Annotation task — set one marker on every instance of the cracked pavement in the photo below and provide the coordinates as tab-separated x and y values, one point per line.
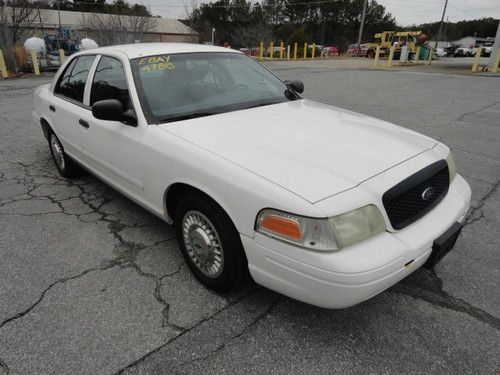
92	283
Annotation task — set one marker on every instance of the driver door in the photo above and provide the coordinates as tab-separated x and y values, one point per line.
112	147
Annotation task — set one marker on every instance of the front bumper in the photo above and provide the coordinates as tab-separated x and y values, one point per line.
351	275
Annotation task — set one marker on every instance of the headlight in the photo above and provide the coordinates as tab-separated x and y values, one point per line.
311	233
452	167
358	225
322	234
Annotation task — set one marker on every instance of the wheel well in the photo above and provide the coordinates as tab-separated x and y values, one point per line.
174	194
45	128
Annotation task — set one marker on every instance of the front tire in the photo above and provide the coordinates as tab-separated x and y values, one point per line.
64	164
210	243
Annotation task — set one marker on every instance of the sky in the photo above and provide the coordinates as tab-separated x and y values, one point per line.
407	12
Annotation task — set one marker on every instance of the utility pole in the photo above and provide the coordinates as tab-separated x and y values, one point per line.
495	47
360	35
59	15
441	25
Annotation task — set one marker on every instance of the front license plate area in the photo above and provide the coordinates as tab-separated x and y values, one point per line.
443	245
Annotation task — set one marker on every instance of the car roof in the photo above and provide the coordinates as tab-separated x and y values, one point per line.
148	49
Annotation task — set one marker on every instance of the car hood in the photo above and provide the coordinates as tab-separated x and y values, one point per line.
310	149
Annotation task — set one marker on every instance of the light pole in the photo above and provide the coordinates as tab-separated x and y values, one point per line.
213	36
495	47
361	27
441	25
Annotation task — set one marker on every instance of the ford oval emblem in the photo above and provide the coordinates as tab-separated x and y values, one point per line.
428	193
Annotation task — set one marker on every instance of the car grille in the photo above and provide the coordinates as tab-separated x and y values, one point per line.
413	197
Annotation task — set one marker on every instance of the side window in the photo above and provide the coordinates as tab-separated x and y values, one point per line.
110	82
72	83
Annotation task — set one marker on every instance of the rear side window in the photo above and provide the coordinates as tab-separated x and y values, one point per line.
110	82
72	83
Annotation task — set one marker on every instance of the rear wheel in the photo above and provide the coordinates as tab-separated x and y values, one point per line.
370	54
64	164
210	243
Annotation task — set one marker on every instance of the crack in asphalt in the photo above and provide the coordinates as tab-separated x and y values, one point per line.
432	292
244	330
187	330
460	118
124	259
473	217
4	369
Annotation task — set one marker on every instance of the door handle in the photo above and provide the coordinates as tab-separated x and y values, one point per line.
52	108
83	123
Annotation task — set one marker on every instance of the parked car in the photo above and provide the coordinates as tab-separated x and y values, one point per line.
464	52
487	48
354	50
441	52
330	51
316	202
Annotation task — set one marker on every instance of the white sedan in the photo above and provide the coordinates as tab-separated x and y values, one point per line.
324	205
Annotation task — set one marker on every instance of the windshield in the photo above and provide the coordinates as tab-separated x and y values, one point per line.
181	86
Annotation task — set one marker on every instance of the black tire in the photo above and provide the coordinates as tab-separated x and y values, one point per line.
234	270
64	164
370	54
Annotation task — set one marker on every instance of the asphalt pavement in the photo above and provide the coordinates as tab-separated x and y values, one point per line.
92	283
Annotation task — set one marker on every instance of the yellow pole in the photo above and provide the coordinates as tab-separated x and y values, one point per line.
430	56
3	68
288	52
295	52
34	60
271	52
282	49
477	59
391	56
62	58
305	50
313	51
494	68
261	51
377	56
417	56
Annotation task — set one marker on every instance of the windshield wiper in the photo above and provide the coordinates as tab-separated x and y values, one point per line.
187	116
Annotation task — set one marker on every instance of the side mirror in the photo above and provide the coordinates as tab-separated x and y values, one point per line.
112	110
296	86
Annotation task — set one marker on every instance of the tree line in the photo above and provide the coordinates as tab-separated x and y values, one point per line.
243	23
483	27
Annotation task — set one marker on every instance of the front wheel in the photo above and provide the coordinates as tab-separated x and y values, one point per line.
210	243
64	164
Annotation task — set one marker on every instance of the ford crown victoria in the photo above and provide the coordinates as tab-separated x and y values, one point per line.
319	203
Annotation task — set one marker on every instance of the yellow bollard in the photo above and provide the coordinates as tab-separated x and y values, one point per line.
34	60
295	51
305	50
477	59
417	55
261	51
271	50
288	52
62	57
391	56
3	68
313	51
377	56
282	49
430	56
494	68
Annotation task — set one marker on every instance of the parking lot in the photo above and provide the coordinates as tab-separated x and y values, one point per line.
92	283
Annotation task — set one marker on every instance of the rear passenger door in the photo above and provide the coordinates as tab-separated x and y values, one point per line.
67	105
112	147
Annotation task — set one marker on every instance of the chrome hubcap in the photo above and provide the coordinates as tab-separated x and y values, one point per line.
202	244
57	151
